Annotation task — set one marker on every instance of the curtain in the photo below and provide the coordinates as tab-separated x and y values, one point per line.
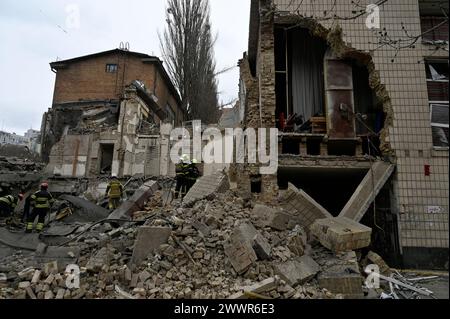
307	79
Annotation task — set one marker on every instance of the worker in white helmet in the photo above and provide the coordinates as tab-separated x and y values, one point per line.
182	171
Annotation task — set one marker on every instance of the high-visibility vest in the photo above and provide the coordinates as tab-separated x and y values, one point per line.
182	169
193	172
115	189
42	199
9	200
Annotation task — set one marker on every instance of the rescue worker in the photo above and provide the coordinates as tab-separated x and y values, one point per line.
40	203
8	204
114	192
182	171
192	175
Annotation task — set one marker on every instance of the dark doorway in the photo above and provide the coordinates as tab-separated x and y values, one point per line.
106	158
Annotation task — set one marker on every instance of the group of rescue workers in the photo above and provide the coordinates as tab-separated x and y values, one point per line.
39	204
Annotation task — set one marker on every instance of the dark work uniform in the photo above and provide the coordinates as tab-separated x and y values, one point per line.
182	171
7	205
41	202
192	175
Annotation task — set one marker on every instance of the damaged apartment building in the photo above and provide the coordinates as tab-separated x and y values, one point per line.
363	129
108	109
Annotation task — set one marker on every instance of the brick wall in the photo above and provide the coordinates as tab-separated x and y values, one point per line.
88	80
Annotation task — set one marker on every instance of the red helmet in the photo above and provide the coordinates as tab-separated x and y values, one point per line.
20	196
44	185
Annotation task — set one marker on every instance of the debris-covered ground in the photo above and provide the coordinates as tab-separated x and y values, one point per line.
218	247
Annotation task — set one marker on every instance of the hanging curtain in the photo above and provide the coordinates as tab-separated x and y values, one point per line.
307	80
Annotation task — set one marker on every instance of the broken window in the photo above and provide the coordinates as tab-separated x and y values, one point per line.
111	68
437	80
439	124
437	83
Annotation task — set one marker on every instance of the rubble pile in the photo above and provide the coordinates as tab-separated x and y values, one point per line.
18	168
216	248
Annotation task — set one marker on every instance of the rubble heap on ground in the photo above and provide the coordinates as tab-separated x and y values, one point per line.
217	247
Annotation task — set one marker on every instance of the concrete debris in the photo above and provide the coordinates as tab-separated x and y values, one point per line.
101	259
241	255
148	240
136	202
206	187
297	271
216	248
302	206
341	234
83	211
374	258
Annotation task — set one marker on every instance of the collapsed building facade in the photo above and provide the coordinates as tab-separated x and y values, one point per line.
107	115
355	130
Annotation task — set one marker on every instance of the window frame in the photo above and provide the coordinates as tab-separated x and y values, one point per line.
110	66
432	124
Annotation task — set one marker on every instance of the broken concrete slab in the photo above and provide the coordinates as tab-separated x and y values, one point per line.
240	254
263	286
99	260
60	230
305	209
343	279
341	234
262	247
297	271
247	232
64	256
205	187
273	217
367	191
85	211
136	202
19	240
147	241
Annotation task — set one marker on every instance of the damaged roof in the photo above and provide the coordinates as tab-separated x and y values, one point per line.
144	57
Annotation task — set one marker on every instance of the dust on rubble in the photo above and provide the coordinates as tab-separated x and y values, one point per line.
219	248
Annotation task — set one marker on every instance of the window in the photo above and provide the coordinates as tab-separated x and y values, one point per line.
434	21
434	29
170	115
437	82
439	124
111	68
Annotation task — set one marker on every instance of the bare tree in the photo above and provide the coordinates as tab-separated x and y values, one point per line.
187	46
384	39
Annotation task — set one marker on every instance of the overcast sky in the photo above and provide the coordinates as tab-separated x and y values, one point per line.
36	32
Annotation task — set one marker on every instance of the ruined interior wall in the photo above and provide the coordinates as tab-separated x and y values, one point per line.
70	156
408	137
